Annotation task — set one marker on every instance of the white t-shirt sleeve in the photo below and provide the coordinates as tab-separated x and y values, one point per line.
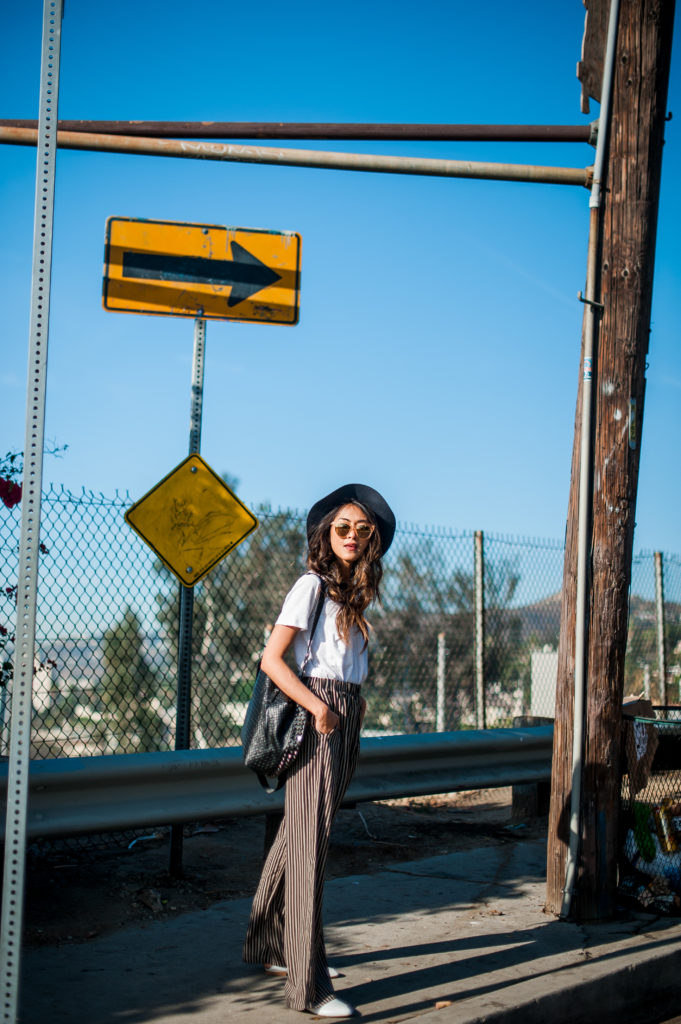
299	603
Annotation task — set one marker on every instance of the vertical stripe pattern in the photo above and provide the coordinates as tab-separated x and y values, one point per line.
286	920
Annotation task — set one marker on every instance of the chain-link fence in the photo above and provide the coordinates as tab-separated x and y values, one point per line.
650	824
459	641
653	663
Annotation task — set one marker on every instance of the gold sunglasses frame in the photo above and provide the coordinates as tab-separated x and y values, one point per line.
346	527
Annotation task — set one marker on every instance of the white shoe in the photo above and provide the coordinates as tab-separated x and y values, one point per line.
334	1008
281	972
276	970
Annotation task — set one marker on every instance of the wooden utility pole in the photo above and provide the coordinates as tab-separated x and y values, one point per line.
629	224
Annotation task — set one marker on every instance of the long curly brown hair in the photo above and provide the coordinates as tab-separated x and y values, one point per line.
355	593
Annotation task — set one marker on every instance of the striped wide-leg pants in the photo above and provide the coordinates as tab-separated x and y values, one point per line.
286	920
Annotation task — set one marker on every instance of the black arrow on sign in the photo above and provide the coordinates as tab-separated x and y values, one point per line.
245	272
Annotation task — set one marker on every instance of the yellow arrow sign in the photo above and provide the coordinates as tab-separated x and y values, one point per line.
191	519
201	270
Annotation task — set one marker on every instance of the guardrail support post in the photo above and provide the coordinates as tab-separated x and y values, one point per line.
530	799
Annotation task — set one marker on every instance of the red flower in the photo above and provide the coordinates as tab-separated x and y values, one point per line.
10	493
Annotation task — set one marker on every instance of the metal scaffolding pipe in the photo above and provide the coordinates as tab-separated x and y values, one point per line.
231	152
313	130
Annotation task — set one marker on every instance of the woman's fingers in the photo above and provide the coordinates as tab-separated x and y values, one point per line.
326	721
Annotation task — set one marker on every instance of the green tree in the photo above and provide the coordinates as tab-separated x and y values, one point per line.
239	600
423	599
642	655
235	605
130	696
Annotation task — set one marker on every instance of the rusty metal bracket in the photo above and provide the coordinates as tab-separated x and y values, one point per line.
590	302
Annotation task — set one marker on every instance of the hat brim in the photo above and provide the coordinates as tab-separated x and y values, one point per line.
365	495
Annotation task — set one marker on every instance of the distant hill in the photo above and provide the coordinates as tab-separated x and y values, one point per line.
542	619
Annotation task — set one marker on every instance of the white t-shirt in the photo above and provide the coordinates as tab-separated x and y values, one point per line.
330	657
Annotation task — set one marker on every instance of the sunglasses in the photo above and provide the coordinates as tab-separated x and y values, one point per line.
363	530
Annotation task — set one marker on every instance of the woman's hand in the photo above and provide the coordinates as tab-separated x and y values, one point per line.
326	720
363	712
281	638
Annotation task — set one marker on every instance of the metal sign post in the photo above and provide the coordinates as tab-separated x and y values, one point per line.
166	268
186	609
191	520
27	591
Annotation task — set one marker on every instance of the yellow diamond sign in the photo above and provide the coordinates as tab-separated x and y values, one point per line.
191	519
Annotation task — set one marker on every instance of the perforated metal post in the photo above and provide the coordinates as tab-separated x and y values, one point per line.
22	693
196	410
186	608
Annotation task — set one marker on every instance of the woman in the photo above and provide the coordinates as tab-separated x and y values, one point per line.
348	532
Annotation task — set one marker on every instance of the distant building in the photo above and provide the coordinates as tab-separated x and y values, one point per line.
544	669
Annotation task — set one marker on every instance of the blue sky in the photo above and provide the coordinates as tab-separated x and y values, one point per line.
437	354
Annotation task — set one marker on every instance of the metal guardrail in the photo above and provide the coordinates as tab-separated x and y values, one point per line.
72	796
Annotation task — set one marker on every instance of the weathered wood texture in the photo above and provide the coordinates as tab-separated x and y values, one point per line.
626	279
590	67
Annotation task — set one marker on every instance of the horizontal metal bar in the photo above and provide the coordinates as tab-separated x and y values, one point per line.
231	152
310	130
71	796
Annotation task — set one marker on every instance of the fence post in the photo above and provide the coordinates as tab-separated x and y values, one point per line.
659	621
441	656
479	570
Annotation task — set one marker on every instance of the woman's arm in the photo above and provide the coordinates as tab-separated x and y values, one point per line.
273	664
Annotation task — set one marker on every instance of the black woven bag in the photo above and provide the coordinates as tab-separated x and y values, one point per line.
274	727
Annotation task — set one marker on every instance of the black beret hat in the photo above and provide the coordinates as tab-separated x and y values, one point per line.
366	496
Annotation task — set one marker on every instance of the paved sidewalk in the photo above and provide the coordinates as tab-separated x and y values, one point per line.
454	939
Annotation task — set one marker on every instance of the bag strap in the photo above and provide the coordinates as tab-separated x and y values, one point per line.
315	621
319	604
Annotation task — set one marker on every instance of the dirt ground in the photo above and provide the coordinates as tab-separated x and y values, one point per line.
76	891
